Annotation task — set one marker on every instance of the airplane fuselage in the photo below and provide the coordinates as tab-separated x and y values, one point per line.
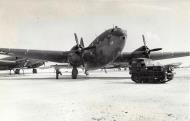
108	46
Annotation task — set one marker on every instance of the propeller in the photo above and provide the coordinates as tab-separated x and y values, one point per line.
76	39
147	51
144	40
80	48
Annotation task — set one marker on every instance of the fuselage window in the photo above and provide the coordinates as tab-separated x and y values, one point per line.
109	36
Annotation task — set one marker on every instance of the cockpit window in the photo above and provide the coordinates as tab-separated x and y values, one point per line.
114	29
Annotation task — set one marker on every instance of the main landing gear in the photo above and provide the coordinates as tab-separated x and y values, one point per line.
17	71
10	72
34	71
86	72
74	73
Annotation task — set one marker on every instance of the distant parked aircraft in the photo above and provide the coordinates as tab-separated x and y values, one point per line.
17	63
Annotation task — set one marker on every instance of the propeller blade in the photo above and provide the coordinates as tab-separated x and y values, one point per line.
76	39
88	48
81	42
144	40
156	49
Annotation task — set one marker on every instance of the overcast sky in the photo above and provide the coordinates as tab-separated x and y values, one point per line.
50	24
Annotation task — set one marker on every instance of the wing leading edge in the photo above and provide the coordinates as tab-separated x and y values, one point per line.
6	62
127	56
168	55
47	55
62	56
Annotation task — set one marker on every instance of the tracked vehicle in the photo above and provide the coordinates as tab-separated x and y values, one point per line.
145	71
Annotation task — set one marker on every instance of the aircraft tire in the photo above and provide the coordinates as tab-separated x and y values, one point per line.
74	73
57	74
34	71
17	71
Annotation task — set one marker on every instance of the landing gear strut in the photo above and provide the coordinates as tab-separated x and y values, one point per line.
74	73
17	71
34	71
22	71
86	72
57	73
10	72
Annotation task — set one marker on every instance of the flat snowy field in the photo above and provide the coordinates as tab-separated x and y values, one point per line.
98	97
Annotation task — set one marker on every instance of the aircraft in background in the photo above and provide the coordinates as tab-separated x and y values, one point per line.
174	65
188	66
17	63
105	49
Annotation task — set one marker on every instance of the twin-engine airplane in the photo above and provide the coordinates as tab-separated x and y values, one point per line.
105	49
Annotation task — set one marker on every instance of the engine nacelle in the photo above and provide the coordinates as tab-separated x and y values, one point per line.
75	59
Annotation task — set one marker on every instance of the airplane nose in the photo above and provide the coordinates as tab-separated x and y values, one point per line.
122	34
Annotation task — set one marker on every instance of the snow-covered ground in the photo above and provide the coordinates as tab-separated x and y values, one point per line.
98	97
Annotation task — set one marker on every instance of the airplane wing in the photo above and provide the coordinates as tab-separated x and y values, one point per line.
174	65
116	65
66	65
47	55
127	56
6	62
168	55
